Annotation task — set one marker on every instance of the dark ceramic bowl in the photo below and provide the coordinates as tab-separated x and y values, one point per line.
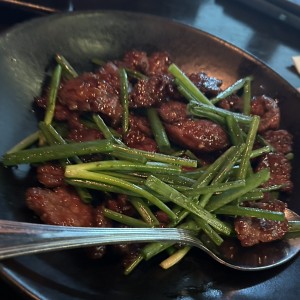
25	52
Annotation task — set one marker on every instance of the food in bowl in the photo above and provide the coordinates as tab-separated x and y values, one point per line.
138	142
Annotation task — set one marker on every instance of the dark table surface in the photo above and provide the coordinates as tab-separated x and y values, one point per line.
270	40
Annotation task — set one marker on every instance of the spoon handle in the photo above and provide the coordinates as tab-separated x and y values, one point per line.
17	238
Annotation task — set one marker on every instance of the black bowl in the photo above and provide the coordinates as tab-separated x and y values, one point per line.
25	53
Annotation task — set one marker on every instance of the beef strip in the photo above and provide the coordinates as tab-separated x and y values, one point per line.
156	63
280	170
210	86
268	110
150	92
198	135
84	135
173	111
280	139
89	93
251	231
60	206
50	175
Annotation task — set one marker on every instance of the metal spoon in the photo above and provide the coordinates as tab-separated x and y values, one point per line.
17	238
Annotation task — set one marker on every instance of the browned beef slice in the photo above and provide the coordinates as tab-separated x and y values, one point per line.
173	111
138	140
158	63
84	135
280	169
110	74
88	92
199	135
280	139
136	60
61	206
150	92
121	205
210	86
268	110
50	175
141	124
233	103
154	64
251	231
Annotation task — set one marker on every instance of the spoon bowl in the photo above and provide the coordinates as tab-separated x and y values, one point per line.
18	238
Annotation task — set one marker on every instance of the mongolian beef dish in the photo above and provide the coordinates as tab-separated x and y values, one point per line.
140	143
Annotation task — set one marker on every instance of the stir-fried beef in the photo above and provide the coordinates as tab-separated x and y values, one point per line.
61	206
136	60
281	140
110	74
233	103
251	231
268	110
138	140
50	175
280	170
198	135
121	205
173	111
210	86
140	123
159	63
84	134
150	92
89	93
99	92
156	63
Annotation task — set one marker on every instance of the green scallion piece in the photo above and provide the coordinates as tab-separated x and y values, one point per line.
111	180
226	197
54	86
68	70
56	152
235	210
123	219
188	85
159	131
183	201
124	100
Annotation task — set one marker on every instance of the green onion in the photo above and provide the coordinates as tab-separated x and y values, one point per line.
124	99
56	152
25	143
159	132
181	200
67	68
198	109
235	210
105	130
245	160
247	97
226	197
188	85
118	149
123	219
175	257
213	188
234	130
231	89
54	86
94	185
111	180
126	166
144	211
